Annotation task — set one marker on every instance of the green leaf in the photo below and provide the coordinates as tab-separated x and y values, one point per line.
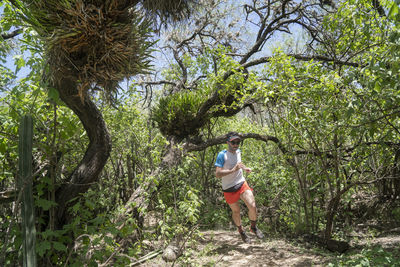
45	204
3	147
76	207
42	247
19	62
109	240
53	94
394	10
59	246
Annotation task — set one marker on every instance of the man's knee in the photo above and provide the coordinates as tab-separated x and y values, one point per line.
252	205
248	198
235	209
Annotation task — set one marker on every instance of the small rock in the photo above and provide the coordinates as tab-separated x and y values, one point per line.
337	246
170	253
273	250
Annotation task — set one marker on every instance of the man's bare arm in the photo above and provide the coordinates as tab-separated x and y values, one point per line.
219	172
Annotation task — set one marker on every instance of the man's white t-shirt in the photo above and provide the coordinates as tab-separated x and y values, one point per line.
227	160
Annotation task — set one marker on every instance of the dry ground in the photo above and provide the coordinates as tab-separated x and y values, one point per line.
229	250
225	248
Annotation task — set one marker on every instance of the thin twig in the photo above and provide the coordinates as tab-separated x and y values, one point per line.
147	257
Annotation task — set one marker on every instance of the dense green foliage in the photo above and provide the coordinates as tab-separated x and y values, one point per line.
337	160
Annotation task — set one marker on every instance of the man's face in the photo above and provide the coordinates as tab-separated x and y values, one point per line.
234	144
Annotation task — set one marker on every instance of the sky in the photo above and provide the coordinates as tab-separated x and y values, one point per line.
10	59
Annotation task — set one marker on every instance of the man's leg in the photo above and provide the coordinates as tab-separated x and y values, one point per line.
248	198
235	207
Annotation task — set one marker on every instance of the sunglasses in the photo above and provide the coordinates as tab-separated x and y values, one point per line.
235	142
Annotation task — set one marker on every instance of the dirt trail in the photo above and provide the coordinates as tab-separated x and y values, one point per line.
225	248
229	250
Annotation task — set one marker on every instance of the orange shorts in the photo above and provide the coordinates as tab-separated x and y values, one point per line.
233	197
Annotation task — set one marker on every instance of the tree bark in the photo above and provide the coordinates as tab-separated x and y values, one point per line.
330	216
98	151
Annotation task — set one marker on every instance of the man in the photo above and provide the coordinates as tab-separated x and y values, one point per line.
229	167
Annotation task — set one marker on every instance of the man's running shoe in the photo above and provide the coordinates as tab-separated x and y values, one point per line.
257	232
245	237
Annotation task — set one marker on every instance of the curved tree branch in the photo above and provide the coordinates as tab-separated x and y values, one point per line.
274	25
303	58
12	34
99	148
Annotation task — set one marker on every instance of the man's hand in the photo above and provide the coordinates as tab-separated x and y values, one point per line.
240	165
219	172
246	169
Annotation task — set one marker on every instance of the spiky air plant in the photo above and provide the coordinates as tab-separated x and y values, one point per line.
101	42
98	43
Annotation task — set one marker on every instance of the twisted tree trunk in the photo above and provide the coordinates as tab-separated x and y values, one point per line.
98	151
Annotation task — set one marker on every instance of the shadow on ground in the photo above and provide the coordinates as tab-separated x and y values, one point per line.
224	248
229	250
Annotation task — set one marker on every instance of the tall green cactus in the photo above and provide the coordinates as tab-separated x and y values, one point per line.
25	184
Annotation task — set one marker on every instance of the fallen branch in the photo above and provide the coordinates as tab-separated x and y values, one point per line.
147	257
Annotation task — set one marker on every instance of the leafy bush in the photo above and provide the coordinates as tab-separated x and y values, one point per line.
371	256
